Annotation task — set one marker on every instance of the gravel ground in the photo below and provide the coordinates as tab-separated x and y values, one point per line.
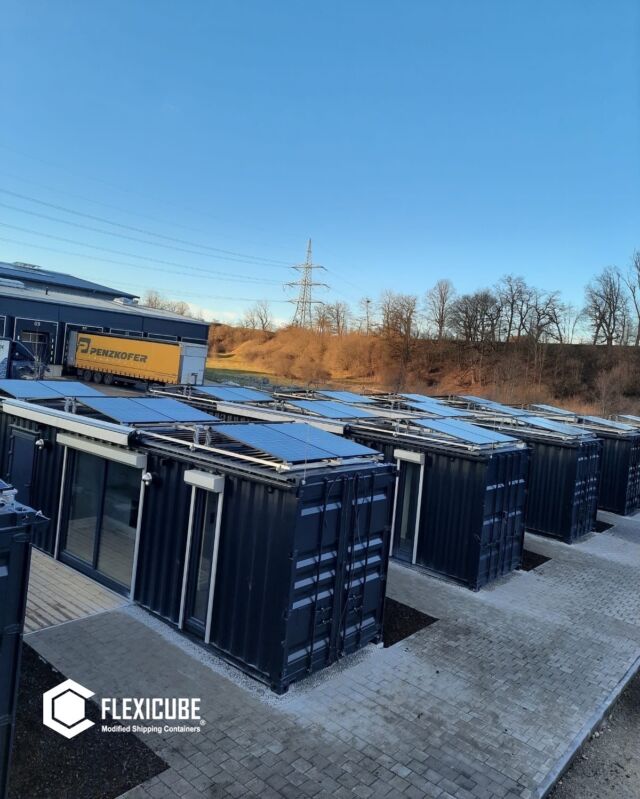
608	767
401	621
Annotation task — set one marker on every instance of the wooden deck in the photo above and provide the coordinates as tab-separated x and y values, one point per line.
58	594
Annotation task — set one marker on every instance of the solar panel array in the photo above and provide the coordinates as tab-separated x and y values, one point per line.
234	393
146	410
463	431
332	410
490	405
347	396
47	389
538	406
597	420
293	442
555	427
436	408
631	418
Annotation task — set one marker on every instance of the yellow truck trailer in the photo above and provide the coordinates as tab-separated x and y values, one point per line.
105	358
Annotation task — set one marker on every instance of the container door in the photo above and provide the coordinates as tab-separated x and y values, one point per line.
407	511
100	521
22	452
201	559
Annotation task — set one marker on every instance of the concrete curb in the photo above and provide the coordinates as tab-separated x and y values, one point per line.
563	762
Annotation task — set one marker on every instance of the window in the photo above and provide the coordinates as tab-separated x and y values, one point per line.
102	518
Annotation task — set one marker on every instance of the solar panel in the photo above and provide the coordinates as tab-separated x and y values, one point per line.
609	423
336	445
274	440
552	409
348	396
630	417
463	431
175	410
124	410
72	388
549	424
488	404
437	408
234	393
418	397
332	410
27	389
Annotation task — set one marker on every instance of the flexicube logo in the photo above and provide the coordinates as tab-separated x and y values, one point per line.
64	711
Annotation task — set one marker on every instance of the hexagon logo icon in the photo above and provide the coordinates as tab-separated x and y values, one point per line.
64	710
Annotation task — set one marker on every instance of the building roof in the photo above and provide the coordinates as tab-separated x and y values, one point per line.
97	303
58	280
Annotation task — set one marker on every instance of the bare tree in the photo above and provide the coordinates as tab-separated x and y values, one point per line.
438	306
399	325
322	318
515	297
632	281
258	316
153	299
476	317
338	313
607	307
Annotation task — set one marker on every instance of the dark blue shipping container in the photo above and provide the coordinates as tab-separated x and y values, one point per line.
302	563
564	474
620	472
290	524
16	524
460	496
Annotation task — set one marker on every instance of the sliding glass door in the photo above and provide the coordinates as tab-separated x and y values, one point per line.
101	518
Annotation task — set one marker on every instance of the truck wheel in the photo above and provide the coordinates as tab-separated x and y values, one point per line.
87	375
97	377
108	379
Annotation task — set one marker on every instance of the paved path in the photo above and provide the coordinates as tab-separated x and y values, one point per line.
58	594
489	701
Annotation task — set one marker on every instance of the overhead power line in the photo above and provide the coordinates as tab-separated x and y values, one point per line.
218	276
178	295
103	232
126	254
135	229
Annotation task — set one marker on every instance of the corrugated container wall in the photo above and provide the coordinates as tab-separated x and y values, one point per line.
301	573
471	527
620	476
34	471
562	499
16	523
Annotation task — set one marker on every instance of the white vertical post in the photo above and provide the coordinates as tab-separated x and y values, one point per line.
395	504
56	548
214	568
418	511
187	558
136	548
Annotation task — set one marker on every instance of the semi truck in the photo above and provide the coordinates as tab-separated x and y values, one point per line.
108	359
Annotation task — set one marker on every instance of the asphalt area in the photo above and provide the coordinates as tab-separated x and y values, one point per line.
95	765
608	765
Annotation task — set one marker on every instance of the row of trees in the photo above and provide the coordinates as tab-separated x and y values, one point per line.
511	310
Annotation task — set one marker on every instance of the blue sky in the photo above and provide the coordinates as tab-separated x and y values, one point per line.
411	140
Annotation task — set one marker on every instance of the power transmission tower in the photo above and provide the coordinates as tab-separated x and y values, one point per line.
303	314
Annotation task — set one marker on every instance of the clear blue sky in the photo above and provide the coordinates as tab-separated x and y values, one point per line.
412	140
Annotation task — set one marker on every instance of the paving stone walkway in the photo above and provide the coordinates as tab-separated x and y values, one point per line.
490	701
